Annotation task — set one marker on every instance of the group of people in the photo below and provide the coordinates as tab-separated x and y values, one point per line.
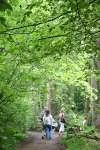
48	126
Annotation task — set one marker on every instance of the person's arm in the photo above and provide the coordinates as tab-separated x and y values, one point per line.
44	119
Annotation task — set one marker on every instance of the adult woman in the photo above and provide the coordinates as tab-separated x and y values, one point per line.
47	120
61	122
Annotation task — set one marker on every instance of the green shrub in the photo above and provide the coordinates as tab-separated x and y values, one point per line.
77	143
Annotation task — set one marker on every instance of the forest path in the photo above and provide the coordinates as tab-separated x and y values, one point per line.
33	141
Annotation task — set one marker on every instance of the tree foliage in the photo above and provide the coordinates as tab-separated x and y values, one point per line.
42	41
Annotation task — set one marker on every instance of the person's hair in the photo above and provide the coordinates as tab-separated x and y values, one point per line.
47	112
85	117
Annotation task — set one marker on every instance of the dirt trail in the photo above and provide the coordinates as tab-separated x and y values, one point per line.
33	141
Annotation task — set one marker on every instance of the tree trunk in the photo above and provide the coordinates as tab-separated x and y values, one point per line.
94	102
97	103
49	95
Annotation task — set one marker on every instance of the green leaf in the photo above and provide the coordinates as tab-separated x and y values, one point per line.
30	6
4	5
98	8
28	13
3	21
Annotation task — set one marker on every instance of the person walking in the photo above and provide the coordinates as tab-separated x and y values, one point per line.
61	122
41	118
48	120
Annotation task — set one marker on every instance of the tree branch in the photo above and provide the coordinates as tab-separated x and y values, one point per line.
34	24
92	1
53	36
96	20
84	25
6	33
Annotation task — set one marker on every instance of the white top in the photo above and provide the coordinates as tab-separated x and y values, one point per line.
61	127
47	120
84	122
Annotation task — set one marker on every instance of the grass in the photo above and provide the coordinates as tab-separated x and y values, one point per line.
77	143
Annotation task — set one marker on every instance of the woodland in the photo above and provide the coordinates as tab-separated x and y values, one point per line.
50	55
